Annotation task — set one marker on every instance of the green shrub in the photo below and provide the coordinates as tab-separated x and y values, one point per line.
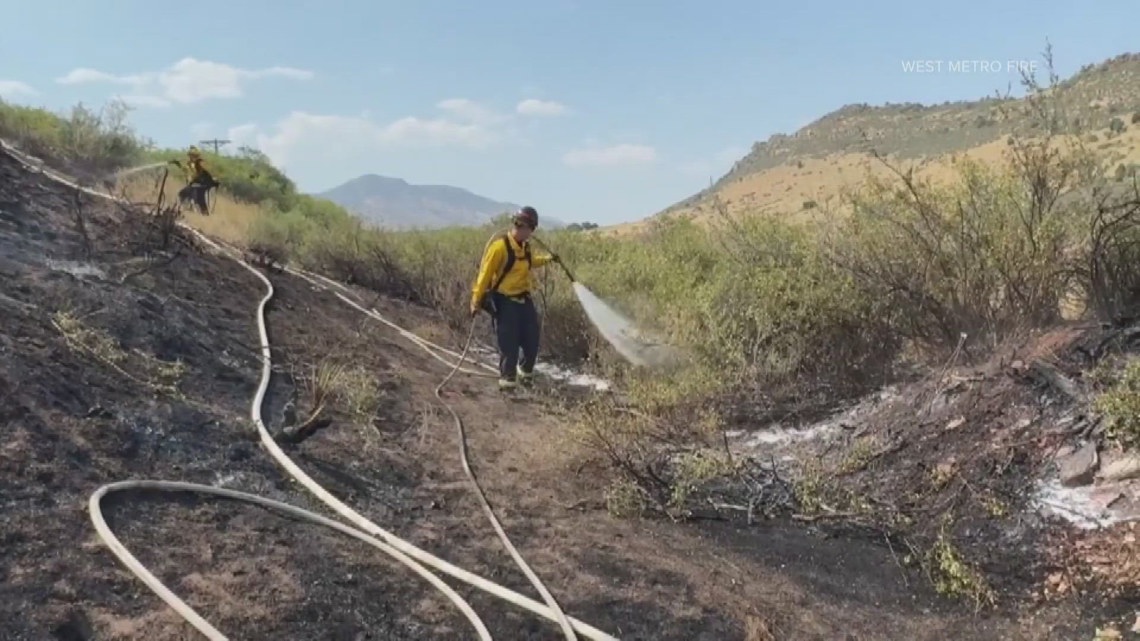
1120	407
84	142
981	257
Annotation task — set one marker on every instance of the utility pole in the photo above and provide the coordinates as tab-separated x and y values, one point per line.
215	143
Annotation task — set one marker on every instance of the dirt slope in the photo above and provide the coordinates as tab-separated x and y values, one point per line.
86	401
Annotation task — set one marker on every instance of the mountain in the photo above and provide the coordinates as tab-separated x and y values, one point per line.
812	167
394	203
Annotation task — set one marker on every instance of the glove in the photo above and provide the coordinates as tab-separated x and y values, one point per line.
556	258
176	163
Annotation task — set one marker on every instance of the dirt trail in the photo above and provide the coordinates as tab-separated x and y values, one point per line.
75	419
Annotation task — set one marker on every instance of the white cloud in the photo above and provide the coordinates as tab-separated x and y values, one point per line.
144	101
185	82
12	88
83	75
466	124
535	107
471	111
243	135
623	154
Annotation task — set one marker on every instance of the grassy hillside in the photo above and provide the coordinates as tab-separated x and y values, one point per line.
817	165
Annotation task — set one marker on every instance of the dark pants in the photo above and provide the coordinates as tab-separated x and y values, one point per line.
195	192
516	328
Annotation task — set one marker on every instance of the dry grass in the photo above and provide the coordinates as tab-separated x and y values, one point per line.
95	341
229	220
136	365
755	629
787	188
352	390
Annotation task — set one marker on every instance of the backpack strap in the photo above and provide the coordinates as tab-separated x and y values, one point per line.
510	259
502	236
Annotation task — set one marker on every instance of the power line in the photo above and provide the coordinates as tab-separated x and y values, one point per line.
215	143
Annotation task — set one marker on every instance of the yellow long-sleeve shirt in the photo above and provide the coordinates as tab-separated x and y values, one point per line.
196	169
515	282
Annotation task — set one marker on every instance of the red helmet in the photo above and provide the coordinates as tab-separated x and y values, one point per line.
527	216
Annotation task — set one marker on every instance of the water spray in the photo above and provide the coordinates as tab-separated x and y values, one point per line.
618	330
134	170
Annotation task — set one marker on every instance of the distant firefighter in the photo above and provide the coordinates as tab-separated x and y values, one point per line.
200	181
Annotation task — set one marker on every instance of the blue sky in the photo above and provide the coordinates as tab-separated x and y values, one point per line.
588	110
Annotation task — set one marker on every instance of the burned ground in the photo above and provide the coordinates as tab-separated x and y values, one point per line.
103	380
947	473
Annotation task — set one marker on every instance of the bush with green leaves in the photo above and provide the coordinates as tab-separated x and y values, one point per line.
84	141
1120	407
979	258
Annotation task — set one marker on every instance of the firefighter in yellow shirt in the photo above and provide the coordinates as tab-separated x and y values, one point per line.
503	289
199	181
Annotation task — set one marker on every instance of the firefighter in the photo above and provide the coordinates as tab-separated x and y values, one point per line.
503	289
199	181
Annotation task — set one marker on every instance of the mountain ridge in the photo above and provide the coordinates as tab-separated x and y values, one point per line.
792	170
395	203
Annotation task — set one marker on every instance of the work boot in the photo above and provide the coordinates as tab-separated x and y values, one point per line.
526	378
507	384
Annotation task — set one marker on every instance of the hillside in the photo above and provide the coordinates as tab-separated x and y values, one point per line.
814	166
127	360
887	428
394	203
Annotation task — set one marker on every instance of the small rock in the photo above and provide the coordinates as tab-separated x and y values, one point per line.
1122	469
956	423
1079	468
99	411
1103	499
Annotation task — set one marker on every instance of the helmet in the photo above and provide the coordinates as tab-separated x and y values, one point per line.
193	152
526	216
